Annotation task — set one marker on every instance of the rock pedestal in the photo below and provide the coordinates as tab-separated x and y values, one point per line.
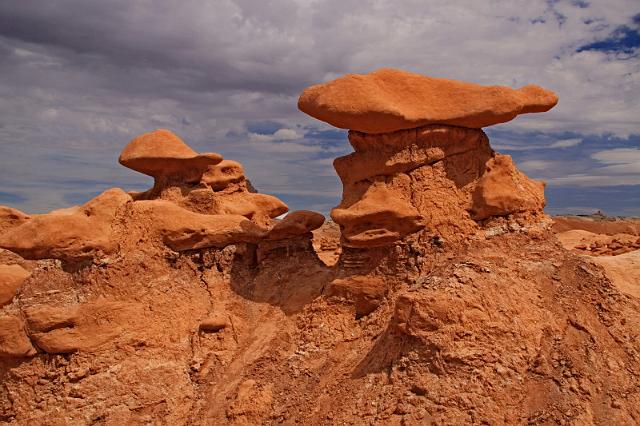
422	166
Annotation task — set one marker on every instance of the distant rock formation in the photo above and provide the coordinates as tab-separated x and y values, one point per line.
421	162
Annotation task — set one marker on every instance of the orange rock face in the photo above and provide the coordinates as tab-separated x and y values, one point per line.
10	218
503	190
421	163
14	342
434	180
296	223
388	100
83	327
73	234
163	154
11	278
181	229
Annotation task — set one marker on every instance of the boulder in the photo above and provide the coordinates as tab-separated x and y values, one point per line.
388	100
14	342
504	190
379	217
214	323
259	208
162	154
11	279
365	292
296	223
222	175
72	234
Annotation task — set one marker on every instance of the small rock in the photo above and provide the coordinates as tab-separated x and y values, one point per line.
214	323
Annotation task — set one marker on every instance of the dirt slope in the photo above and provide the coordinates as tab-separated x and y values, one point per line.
511	329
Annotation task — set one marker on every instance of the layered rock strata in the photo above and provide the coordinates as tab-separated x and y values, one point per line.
422	165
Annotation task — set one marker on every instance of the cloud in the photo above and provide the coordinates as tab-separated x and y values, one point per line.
80	79
566	143
618	156
279	135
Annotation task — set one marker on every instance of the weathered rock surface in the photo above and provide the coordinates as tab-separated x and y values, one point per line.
378	217
162	154
84	327
503	190
11	278
181	229
421	164
295	224
71	235
623	270
364	292
260	208
11	218
460	321
14	342
388	100
223	174
214	323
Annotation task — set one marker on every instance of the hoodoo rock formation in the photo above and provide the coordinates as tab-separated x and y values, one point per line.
388	100
412	169
450	302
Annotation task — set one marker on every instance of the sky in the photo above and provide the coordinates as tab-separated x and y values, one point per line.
80	79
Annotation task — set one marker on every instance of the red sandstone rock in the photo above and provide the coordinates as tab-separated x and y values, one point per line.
83	327
181	229
162	154
365	292
75	234
388	100
11	278
379	217
259	208
221	175
14	342
503	190
11	218
296	223
214	323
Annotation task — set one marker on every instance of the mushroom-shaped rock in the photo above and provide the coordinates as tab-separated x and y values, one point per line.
11	279
162	154
504	190
73	234
14	342
222	175
388	100
296	223
181	229
380	217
